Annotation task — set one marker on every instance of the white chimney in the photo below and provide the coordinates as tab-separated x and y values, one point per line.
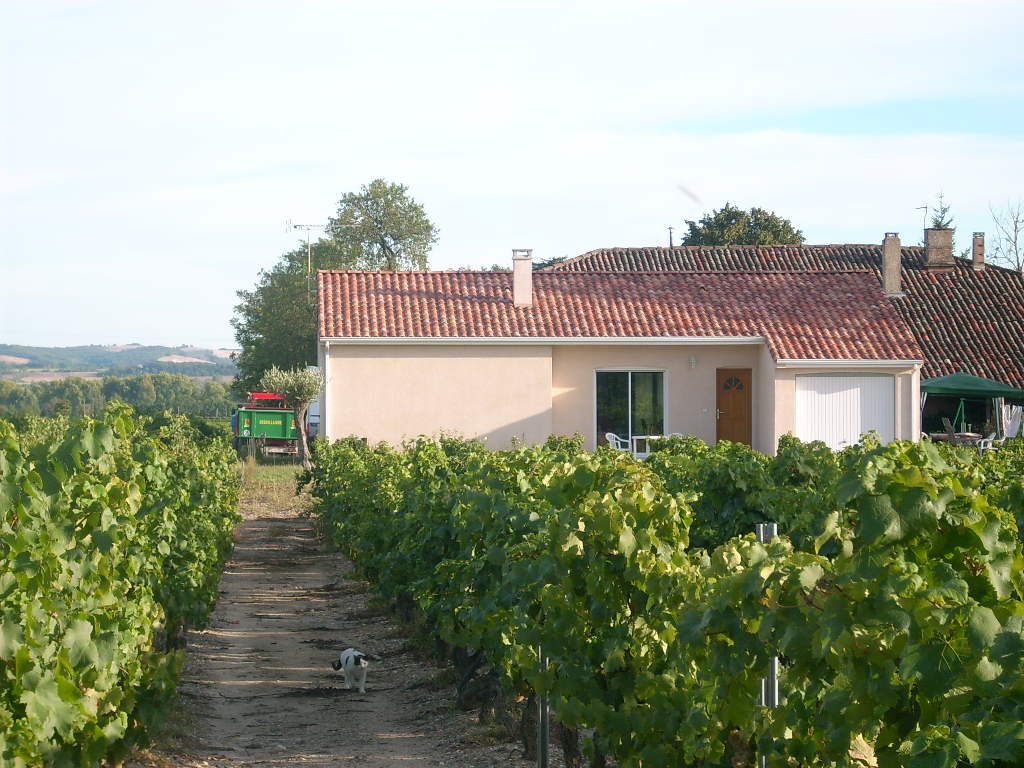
522	277
891	264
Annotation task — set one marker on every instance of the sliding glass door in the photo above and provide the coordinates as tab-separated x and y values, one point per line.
630	403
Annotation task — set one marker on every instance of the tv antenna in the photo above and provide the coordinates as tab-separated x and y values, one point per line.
307	228
924	216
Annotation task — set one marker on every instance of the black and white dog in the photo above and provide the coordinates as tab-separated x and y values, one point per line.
352	664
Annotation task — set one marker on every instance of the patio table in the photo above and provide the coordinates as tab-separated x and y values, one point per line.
960	438
642	445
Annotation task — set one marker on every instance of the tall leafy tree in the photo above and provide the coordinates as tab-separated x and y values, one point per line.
137	391
275	322
732	226
383	228
17	400
378	227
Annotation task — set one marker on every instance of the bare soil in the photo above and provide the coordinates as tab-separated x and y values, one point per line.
258	688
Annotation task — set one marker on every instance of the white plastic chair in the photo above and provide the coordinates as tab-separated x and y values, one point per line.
990	443
616	442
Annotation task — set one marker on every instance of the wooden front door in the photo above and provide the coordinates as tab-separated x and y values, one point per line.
734	404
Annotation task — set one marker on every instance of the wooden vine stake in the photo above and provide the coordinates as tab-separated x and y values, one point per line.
543	720
770	684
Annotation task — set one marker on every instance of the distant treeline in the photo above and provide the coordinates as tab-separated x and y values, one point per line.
196	370
129	360
147	393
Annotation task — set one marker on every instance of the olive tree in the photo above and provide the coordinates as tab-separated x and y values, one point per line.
300	386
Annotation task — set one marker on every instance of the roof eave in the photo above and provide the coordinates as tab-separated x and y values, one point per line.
846	363
546	340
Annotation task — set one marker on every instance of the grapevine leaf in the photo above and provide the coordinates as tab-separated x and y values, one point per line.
8	493
8	583
987	670
946	758
982	628
810	575
878	520
969	748
572	541
930	666
98	440
103	541
830	529
78	641
44	705
10	639
1002	741
627	541
1000	573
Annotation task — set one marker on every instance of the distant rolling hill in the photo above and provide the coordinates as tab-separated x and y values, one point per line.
40	363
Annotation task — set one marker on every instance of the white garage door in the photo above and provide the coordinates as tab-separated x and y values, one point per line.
839	409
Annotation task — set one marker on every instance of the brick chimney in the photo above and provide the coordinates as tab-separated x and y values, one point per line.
978	252
522	277
938	248
891	265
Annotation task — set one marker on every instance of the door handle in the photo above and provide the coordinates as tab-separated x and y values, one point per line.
718	413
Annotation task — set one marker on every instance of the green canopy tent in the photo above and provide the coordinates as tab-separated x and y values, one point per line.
964	385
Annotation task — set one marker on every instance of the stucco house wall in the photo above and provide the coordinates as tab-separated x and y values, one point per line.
689	392
766	435
392	392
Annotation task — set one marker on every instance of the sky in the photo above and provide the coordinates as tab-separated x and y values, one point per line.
151	153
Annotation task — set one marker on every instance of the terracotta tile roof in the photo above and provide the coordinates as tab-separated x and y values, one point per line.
963	320
808	315
702	258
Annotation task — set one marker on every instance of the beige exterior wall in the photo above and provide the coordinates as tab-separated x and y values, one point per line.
499	392
689	392
394	392
907	397
766	437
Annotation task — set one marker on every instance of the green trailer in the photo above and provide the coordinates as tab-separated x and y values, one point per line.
266	423
268	429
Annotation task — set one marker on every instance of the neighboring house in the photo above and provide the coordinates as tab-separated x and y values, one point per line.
966	315
739	355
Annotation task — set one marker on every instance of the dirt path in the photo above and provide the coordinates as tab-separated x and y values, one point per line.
260	682
258	689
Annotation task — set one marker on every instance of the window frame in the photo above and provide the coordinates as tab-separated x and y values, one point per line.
631	369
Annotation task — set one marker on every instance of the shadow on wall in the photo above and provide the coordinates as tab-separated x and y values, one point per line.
532	430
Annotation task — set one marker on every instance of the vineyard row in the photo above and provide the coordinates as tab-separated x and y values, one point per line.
113	536
893	597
